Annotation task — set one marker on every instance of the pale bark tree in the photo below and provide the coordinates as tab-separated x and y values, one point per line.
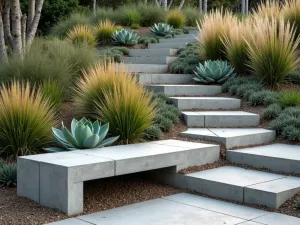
170	4
200	6
17	30
205	6
181	4
3	53
247	7
94	7
165	4
243	6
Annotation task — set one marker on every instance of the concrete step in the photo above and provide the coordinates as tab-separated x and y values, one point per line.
196	31
189	39
206	103
244	185
168	45
150	59
185	89
146	68
185	35
153	52
232	137
165	78
276	157
221	119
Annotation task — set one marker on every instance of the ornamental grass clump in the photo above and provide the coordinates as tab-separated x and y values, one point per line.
25	120
236	45
176	18
104	31
270	9
213	28
82	34
110	93
192	16
273	50
291	13
289	98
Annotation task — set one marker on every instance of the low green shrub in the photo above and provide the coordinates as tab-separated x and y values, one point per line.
271	98
294	77
288	123
128	15
243	88
241	81
135	26
1	163
258	98
113	53
148	39
272	111
163	123
187	61
64	26
192	16
153	133
53	92
103	14
8	175
151	14
289	98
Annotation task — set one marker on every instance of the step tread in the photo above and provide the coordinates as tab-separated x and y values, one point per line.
219	113
226	132
282	151
180	85
204	98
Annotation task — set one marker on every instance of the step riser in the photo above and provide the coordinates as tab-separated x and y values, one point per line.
165	78
153	52
232	142
187	91
207	104
144	68
150	60
221	120
177	40
168	45
259	161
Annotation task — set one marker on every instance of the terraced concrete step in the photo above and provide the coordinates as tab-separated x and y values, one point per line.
185	89
189	39
206	102
276	157
165	78
150	59
243	185
153	52
221	119
168	45
232	137
146	68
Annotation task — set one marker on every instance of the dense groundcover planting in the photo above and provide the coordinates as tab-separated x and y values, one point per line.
76	64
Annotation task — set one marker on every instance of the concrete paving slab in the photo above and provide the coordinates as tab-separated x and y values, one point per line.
250	223
206	102
277	219
168	45
228	182
273	193
185	89
188	39
150	59
277	157
71	221
153	52
145	68
160	212
227	208
221	119
232	137
165	78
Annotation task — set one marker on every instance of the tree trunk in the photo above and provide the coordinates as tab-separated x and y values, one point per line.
243	7
94	7
3	53
31	11
247	7
205	6
181	4
33	28
200	6
157	3
165	4
23	32
6	24
16	27
170	4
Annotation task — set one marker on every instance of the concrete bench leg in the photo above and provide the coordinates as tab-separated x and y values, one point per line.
56	191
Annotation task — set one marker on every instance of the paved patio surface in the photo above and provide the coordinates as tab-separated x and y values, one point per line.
182	209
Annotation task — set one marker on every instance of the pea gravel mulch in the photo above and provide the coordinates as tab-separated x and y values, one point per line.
98	195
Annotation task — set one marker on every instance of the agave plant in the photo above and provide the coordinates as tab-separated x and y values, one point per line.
125	37
162	29
84	135
213	72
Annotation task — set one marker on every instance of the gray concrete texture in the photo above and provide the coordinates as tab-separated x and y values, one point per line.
150	60
153	52
164	78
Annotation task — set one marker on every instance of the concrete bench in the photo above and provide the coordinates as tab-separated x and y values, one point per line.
56	179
